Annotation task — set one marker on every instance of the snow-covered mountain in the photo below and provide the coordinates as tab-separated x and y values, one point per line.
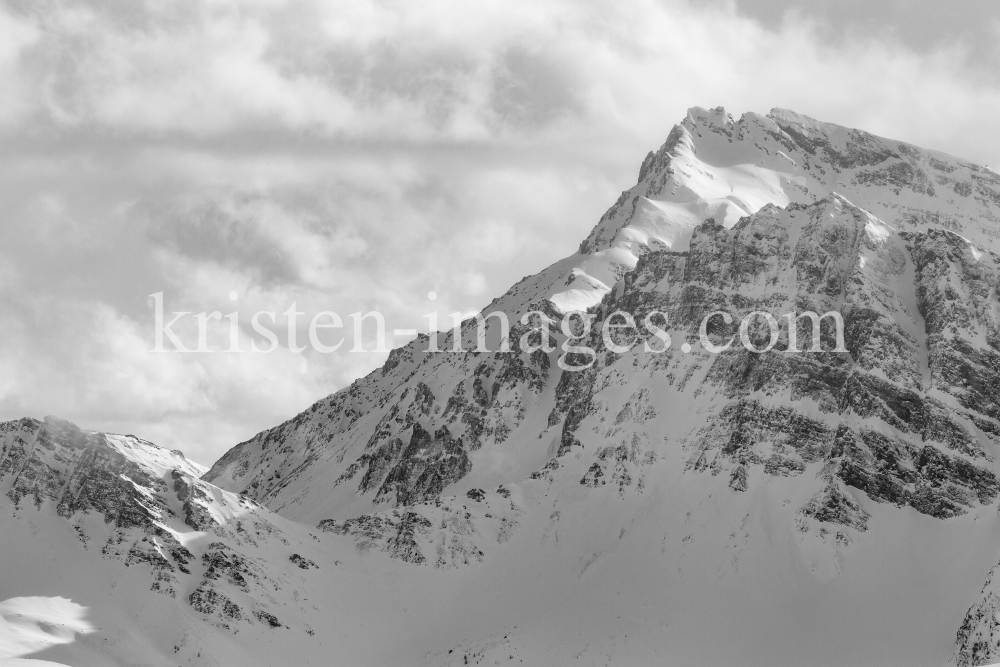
173	570
671	507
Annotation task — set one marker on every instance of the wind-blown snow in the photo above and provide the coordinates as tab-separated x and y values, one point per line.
30	624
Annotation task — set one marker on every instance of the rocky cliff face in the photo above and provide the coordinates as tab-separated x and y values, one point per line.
891	416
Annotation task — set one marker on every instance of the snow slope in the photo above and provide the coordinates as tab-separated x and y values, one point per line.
29	624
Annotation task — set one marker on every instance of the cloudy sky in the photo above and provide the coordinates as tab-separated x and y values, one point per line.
356	155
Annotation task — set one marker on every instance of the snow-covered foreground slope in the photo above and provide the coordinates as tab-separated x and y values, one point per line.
30	624
685	572
673	507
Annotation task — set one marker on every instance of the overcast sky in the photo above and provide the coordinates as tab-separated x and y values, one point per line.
357	155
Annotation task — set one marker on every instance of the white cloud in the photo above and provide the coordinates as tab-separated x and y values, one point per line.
15	37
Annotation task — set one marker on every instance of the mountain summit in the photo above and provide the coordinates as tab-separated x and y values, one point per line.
669	505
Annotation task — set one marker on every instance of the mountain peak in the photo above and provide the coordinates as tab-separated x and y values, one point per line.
765	456
712	166
717	117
